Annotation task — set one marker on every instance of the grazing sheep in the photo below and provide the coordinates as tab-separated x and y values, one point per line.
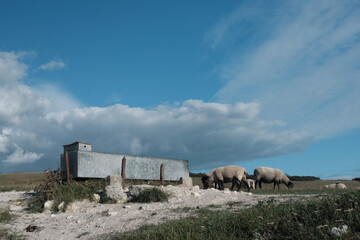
250	183
341	186
269	175
226	174
206	183
331	186
338	185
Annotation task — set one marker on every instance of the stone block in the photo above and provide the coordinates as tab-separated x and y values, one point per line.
115	181
187	182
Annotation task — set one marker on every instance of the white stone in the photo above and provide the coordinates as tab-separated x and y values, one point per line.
195	188
71	207
187	182
96	197
195	194
48	205
61	206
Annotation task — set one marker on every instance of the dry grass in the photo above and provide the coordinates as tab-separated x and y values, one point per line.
20	181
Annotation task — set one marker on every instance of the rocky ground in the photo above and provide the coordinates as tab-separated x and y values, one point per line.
90	220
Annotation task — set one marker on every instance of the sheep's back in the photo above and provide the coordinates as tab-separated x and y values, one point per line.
231	171
265	173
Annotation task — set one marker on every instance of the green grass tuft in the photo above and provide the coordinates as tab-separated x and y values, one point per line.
151	195
312	219
5	215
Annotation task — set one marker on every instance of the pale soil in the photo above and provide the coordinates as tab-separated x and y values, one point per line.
90	220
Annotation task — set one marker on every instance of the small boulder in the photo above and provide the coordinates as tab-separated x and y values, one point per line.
115	180
48	205
195	188
187	181
195	194
115	193
96	197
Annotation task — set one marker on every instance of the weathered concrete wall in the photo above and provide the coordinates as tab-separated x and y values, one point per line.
87	164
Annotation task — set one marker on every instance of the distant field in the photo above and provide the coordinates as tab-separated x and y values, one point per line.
20	181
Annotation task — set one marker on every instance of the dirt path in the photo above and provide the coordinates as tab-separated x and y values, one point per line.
90	220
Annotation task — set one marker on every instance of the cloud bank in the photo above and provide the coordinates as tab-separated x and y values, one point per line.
34	124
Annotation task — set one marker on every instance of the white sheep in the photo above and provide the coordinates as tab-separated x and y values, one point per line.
251	183
341	186
269	175
330	186
338	185
234	174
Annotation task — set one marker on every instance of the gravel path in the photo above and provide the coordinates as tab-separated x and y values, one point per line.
90	220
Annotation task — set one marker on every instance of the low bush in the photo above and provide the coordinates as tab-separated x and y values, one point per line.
53	188
153	194
293	220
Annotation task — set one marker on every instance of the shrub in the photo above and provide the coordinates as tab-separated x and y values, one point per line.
53	188
151	195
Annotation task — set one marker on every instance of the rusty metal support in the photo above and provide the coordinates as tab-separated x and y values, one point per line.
67	166
162	179
123	167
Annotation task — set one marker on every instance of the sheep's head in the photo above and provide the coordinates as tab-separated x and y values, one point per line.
290	185
205	181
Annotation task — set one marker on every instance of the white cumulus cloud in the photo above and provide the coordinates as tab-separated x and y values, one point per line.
53	65
208	134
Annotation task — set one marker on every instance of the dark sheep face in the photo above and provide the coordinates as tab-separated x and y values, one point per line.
290	185
205	182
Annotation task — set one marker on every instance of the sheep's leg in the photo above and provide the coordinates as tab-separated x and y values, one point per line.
278	185
239	185
247	185
274	184
233	184
256	183
260	184
221	185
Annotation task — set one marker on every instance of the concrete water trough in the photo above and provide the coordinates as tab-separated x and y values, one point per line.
83	163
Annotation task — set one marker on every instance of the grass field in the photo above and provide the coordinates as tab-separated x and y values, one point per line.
20	181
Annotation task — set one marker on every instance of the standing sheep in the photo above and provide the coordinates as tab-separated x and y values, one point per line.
226	174
250	183
269	175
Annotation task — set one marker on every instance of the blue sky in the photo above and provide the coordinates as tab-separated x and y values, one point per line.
237	82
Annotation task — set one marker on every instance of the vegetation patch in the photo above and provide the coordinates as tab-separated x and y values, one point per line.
6	217
153	194
312	219
53	188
